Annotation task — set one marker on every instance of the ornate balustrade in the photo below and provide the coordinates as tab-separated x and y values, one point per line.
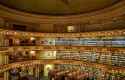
64	35
113	38
105	68
67	48
109	50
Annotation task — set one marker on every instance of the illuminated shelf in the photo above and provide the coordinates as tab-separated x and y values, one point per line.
94	57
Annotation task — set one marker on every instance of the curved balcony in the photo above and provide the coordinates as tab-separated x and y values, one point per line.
109	33
107	58
106	68
113	38
66	42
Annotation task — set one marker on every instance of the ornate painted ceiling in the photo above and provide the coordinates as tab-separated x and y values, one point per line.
58	7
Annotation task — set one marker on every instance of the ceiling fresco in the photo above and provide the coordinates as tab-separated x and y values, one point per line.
58	7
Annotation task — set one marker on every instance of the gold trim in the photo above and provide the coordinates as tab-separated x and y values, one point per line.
64	35
106	68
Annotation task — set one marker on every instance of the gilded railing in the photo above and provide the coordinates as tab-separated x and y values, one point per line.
64	35
106	68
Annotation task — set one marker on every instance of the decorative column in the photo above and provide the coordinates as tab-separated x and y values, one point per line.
37	72
30	70
6	61
2	22
3	41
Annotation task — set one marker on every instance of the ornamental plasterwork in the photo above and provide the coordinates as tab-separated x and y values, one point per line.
64	35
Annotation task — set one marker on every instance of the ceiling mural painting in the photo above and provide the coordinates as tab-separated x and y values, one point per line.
58	7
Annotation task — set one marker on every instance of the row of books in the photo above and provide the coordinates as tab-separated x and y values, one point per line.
115	59
76	72
98	74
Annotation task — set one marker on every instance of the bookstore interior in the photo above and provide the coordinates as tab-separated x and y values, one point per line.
62	39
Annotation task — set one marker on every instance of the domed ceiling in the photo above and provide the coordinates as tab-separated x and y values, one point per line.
58	7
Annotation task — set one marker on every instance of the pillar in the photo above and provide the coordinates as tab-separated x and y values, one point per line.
37	70
6	61
2	22
3	41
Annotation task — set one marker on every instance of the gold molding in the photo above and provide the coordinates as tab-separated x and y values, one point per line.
110	33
